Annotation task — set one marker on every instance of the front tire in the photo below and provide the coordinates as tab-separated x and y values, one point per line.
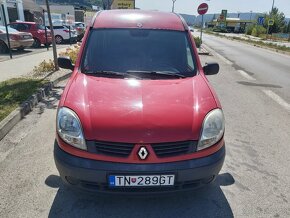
3	48
36	43
58	39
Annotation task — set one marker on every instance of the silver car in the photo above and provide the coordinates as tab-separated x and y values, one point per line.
18	40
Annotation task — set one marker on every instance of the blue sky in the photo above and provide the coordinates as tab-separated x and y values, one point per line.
215	6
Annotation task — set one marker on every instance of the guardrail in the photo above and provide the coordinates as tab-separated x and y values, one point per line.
281	36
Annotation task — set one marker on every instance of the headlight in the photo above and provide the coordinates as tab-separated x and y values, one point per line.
212	129
69	128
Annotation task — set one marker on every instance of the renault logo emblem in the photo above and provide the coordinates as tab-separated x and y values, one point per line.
143	153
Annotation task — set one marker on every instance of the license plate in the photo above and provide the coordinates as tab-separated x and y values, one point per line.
26	37
141	181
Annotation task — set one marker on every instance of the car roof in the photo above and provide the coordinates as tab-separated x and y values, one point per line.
138	19
23	22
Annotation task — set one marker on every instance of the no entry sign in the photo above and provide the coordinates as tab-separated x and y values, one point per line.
202	9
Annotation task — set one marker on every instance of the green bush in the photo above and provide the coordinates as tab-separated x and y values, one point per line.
258	30
254	32
249	29
197	41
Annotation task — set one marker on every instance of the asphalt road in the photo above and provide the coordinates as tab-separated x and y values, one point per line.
268	69
254	181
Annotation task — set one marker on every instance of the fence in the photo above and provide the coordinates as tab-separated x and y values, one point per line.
281	36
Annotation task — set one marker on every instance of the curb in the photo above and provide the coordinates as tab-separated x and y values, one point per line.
203	51
26	107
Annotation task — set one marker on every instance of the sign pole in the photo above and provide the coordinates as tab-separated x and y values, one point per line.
202	10
270	23
69	29
56	67
201	29
46	44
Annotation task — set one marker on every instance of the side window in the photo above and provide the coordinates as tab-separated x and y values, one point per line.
22	27
189	56
14	26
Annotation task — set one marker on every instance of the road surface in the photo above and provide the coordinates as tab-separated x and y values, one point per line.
268	69
254	181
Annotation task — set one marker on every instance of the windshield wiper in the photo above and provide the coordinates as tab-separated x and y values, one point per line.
162	73
111	73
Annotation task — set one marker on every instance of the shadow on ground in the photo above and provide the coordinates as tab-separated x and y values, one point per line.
206	202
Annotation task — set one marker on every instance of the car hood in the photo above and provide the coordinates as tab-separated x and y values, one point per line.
140	111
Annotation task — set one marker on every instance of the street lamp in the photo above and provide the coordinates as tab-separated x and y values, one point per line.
173	2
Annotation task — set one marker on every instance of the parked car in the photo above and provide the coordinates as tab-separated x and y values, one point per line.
80	28
138	114
62	35
37	31
18	40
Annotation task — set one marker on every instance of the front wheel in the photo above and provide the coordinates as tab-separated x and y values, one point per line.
3	48
36	43
58	39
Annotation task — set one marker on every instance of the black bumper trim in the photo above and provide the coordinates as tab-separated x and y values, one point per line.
96	172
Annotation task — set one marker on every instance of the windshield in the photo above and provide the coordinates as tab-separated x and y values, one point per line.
127	50
10	30
40	27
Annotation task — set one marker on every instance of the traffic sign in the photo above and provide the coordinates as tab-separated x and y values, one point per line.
202	8
224	14
271	22
261	20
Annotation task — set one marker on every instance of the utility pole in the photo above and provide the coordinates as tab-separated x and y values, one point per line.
46	41
173	3
273	6
56	67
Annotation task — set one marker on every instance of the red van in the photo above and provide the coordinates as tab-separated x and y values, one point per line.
138	114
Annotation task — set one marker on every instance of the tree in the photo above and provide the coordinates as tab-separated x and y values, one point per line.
288	27
279	21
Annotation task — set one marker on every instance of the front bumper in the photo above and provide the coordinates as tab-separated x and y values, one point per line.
92	175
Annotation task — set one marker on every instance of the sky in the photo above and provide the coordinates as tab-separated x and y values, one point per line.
215	6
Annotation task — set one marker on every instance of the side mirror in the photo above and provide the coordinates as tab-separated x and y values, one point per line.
211	68
66	63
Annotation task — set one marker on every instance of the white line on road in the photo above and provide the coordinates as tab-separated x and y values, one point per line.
277	99
246	75
224	59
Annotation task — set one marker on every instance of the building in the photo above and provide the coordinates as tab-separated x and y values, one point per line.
24	10
231	24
